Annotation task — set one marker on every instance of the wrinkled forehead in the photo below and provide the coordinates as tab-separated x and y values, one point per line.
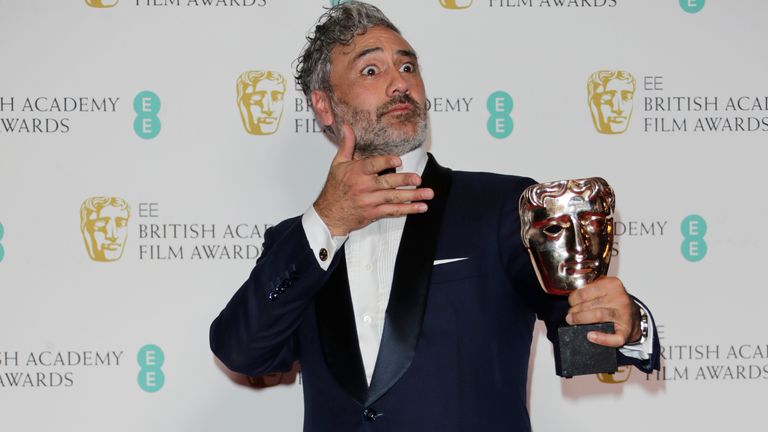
375	42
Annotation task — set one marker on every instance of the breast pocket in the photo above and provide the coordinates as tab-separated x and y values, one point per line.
454	271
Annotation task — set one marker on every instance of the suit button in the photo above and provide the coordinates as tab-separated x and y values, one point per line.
323	254
370	414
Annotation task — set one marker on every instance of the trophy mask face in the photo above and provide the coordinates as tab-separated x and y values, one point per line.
611	97
568	230
266	106
105	229
261	97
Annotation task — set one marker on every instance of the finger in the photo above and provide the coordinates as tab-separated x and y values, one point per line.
377	164
582	307
399	196
346	146
396	210
604	301
587	293
607	339
391	181
592	316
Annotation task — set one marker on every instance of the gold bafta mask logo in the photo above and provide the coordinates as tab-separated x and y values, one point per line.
104	224
610	97
101	3
260	97
456	4
621	375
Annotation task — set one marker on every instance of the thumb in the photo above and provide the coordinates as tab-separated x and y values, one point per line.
346	146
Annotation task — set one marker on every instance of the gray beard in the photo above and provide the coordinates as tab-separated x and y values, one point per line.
373	138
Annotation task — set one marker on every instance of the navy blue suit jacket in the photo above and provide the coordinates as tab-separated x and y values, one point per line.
457	336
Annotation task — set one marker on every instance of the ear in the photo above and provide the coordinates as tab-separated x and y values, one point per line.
321	103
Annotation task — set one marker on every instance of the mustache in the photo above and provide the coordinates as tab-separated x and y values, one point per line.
401	98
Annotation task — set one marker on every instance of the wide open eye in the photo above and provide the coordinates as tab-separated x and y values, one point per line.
408	67
370	71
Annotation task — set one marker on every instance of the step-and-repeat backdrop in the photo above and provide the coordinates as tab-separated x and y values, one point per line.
138	174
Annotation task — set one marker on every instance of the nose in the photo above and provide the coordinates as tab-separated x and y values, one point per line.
580	239
397	84
618	104
267	102
111	230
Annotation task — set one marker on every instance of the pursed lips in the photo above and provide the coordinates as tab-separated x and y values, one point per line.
399	108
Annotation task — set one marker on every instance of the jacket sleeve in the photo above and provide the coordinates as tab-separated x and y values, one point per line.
548	308
254	334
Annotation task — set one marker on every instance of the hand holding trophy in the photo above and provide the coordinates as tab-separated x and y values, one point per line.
567	227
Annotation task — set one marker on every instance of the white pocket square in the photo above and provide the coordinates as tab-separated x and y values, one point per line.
448	260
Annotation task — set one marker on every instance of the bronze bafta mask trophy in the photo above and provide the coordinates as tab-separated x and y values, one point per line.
567	227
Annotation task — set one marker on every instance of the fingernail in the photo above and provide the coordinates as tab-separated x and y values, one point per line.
415	180
568	319
592	336
428	194
422	208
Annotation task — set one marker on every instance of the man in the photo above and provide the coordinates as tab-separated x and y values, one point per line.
260	97
610	98
104	225
406	296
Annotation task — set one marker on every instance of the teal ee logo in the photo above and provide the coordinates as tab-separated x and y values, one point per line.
694	247
151	377
692	6
146	105
500	105
2	251
337	2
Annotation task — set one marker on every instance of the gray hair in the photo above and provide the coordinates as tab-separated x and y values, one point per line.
337	26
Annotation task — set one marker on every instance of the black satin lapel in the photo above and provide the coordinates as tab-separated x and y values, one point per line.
338	334
410	285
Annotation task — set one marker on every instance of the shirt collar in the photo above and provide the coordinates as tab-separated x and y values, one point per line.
414	161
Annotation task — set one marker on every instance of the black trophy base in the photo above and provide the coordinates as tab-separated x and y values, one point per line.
576	355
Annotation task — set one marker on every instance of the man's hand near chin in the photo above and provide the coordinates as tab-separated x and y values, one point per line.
606	300
355	195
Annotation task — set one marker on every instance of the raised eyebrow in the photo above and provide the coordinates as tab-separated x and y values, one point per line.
369	51
407	53
365	52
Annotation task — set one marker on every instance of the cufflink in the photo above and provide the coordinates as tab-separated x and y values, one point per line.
643	326
323	254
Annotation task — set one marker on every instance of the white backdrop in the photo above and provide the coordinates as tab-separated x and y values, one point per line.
122	345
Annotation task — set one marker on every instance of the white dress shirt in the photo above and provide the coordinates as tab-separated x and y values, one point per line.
370	257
